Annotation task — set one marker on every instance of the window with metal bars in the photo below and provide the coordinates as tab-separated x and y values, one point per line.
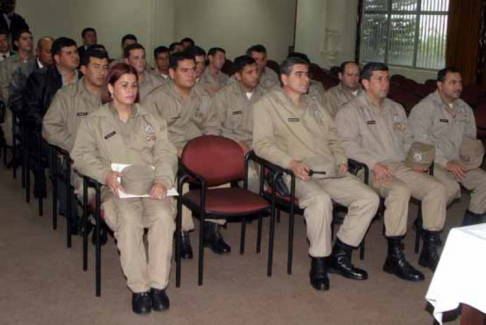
410	33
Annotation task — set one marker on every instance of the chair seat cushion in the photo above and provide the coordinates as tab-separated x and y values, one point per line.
228	201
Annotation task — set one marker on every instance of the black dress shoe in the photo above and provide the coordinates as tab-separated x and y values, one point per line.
103	235
213	238
340	262
141	303
429	257
186	248
318	274
397	264
160	301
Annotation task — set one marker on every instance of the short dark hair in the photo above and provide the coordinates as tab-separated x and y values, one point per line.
303	56
195	51
256	48
160	49
97	47
87	30
188	39
287	65
343	65
114	74
17	34
212	51
441	75
173	45
368	69
91	53
61	43
179	56
241	62
131	47
129	36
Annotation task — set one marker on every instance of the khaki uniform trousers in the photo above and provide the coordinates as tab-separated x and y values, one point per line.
315	197
397	193
128	218
253	185
475	181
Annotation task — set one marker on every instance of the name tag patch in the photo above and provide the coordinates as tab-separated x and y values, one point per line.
444	120
294	119
109	135
82	114
370	122
237	112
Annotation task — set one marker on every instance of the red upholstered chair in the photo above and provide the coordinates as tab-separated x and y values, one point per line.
211	161
228	67
471	94
397	78
273	65
480	117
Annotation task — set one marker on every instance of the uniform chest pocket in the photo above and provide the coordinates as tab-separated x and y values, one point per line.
236	118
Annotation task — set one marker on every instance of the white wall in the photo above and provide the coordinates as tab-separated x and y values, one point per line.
111	18
231	24
237	24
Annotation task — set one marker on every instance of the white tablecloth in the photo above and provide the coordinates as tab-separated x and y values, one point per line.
460	276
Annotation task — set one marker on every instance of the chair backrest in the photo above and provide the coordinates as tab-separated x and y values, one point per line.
217	159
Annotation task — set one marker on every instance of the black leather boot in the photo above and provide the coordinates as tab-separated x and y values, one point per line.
160	301
186	248
318	274
471	218
213	238
429	256
397	264
340	262
141	303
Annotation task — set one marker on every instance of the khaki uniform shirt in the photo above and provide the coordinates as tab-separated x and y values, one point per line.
233	108
269	80
7	69
104	139
210	83
432	121
371	135
336	97
283	131
70	106
150	82
186	118
316	89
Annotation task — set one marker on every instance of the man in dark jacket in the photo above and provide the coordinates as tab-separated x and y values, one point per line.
9	20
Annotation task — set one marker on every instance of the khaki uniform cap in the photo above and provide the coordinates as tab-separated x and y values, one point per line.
420	155
471	153
138	179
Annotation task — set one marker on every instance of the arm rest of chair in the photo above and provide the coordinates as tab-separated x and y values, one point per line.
481	128
355	166
184	175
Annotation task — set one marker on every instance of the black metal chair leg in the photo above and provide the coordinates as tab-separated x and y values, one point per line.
243	234
54	190
85	224
201	249
418	229
98	245
259	234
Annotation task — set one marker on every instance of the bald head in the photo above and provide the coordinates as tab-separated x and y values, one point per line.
44	54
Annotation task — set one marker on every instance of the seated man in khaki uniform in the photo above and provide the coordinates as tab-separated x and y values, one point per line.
200	56
135	56
213	79
374	130
268	77
294	131
187	109
233	105
128	39
347	90
161	56
445	120
316	89
70	106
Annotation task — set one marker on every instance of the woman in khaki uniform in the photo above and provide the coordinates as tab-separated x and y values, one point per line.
123	132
